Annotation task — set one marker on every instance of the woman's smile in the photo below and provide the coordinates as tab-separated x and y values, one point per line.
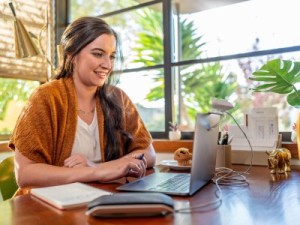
101	74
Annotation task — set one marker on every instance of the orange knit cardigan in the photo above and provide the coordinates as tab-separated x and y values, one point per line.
45	129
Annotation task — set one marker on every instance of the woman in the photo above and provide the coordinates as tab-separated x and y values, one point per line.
78	127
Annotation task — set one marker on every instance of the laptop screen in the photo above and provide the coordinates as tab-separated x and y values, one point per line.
204	150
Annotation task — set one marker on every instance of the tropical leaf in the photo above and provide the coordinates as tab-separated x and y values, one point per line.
293	99
279	76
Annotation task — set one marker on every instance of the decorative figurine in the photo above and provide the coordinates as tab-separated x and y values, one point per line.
183	157
279	160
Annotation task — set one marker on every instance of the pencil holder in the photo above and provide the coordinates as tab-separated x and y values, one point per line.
224	156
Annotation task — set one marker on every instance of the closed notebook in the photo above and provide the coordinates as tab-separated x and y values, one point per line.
68	195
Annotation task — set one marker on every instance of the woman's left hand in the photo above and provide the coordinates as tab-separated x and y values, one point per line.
77	160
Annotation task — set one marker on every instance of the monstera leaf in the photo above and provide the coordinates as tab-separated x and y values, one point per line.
279	76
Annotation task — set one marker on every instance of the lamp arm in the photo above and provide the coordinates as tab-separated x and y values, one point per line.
39	41
12	8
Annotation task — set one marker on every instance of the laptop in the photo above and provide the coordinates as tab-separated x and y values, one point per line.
202	169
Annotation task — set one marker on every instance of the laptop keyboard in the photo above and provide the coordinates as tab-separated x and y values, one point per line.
177	183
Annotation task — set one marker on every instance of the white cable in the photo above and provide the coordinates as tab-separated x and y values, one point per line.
251	149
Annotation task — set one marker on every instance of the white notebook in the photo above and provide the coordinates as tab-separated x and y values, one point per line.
68	195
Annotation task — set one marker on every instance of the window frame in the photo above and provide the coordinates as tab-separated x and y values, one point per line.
61	21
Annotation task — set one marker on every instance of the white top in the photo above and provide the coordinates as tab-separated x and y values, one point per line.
87	140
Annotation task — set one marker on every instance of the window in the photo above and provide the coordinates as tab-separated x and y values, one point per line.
182	54
13	96
229	43
143	87
80	8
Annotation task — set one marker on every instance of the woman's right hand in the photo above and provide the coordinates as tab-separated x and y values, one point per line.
127	166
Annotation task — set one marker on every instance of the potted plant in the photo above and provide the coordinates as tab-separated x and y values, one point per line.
281	76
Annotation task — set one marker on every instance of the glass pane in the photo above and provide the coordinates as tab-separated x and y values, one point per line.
238	28
141	30
146	90
80	8
198	83
13	96
141	33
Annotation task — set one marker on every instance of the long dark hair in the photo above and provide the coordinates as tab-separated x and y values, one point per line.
78	35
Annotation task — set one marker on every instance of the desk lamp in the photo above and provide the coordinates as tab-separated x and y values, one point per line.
25	45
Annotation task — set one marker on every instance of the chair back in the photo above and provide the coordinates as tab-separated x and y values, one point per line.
8	184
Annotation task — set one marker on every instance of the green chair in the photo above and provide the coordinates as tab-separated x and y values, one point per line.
8	185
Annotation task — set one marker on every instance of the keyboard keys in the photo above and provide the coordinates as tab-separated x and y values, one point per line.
178	183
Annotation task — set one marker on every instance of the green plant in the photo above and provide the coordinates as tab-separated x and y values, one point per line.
198	84
279	76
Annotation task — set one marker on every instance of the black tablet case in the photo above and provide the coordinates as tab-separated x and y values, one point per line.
131	205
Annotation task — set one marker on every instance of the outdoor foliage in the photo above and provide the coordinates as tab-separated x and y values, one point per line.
198	84
14	90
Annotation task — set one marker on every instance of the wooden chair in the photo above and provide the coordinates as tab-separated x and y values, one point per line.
8	185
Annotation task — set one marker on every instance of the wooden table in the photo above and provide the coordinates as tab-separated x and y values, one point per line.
268	200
